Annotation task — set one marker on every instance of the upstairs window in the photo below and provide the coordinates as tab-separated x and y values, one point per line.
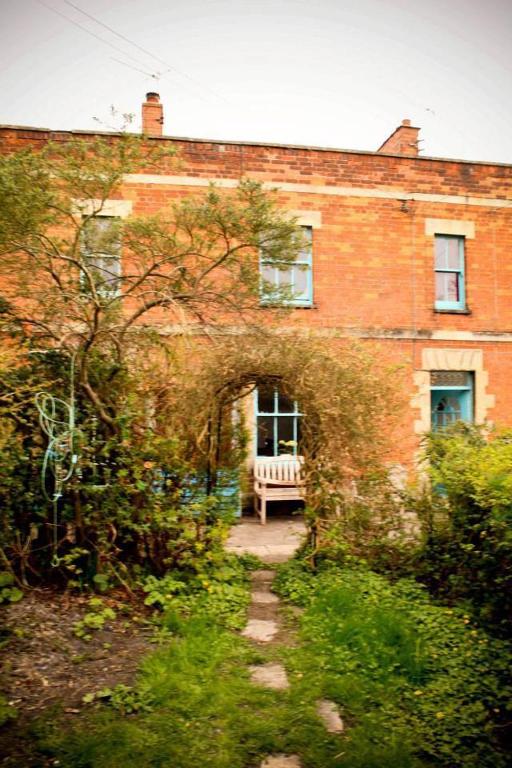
449	273
277	422
451	394
290	283
101	251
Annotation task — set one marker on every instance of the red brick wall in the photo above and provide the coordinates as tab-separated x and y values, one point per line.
373	264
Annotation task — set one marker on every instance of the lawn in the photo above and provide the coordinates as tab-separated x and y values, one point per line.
418	685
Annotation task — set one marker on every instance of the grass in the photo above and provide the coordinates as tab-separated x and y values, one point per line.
417	685
201	709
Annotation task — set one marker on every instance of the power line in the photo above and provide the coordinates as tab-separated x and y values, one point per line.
117	34
144	50
89	32
136	69
153	75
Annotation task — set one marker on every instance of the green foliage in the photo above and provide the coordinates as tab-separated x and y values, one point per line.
7	712
217	589
8	592
420	684
201	709
467	522
123	698
137	500
97	616
195	260
148	484
348	397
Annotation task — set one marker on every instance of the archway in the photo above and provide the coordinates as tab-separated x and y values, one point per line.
348	402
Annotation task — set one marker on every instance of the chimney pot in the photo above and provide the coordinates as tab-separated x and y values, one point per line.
152	115
404	122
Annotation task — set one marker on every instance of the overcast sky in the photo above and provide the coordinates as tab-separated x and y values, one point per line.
339	73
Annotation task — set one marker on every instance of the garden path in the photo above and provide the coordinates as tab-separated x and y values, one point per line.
273	543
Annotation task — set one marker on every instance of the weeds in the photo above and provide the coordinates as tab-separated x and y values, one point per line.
420	684
9	593
94	620
218	590
202	709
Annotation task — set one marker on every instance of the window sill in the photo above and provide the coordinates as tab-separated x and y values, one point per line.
288	306
452	311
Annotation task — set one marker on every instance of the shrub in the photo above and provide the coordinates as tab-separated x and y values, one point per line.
466	521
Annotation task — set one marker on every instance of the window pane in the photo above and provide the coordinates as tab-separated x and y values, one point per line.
450	379
266	400
101	236
284	276
452	253
307	237
282	426
447	411
268	273
285	404
448	252
285	434
105	272
447	286
451	405
440	253
300	287
265	435
100	247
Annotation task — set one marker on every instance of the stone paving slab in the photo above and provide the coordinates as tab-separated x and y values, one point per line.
276	554
260	630
264	575
264	597
281	761
328	712
275	542
270	676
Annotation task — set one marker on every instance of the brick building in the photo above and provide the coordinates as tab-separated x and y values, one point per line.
408	251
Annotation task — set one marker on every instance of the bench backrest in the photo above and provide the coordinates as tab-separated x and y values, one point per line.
278	469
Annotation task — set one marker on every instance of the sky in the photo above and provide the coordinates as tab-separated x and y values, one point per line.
333	73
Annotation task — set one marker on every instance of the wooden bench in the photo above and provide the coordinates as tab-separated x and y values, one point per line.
277	478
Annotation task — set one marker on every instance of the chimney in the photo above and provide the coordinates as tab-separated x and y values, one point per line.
152	115
403	141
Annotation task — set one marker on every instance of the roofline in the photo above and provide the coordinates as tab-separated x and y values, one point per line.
277	145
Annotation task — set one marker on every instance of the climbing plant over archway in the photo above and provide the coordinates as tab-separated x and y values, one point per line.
349	397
